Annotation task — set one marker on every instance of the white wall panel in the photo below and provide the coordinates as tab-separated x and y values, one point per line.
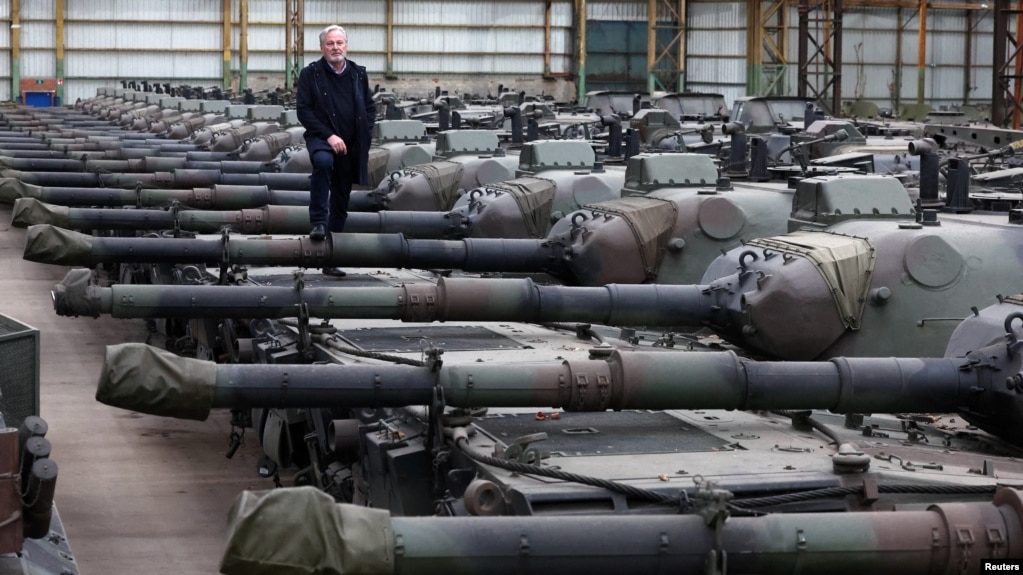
263	37
38	64
481	64
344	12
707	15
168	11
36	10
716	48
629	10
38	35
266	11
181	39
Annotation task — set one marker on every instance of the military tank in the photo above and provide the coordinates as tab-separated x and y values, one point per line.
707	459
464	159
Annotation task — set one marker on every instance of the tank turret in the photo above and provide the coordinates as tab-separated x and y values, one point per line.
554	177
463	160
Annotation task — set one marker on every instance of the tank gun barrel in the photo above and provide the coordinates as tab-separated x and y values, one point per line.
49	244
265	220
1002	152
451	299
839	136
369	540
149	380
215	197
179	178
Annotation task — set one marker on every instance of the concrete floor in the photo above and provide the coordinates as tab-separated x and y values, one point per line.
137	493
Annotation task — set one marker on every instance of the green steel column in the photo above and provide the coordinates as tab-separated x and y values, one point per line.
580	13
15	49
243	56
59	43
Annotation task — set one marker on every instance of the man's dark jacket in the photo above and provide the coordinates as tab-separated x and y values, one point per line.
314	103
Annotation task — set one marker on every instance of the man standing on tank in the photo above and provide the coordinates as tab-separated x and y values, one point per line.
336	108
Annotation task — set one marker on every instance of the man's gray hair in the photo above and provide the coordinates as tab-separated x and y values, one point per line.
330	29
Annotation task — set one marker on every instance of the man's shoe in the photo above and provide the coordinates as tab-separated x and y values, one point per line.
319	232
336	272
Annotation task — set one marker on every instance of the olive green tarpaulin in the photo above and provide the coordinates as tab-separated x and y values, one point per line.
53	245
75	295
845	262
29	211
142	378
13	188
443	177
652	221
302	531
535	198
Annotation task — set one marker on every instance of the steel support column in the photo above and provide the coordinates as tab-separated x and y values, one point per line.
580	51
820	71
666	60
15	49
226	43
389	64
921	53
766	47
243	48
294	40
1004	104
59	43
547	39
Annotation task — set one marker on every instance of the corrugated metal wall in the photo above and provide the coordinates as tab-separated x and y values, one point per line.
180	42
716	49
106	41
871	38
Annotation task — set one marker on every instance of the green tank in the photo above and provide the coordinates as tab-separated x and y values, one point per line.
856	288
712	458
463	160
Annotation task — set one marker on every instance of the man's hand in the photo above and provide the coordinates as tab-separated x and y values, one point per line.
337	144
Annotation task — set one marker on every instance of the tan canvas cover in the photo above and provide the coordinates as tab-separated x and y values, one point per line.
377	165
301	531
652	221
535	198
265	147
29	211
45	243
233	138
845	262
443	177
143	378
